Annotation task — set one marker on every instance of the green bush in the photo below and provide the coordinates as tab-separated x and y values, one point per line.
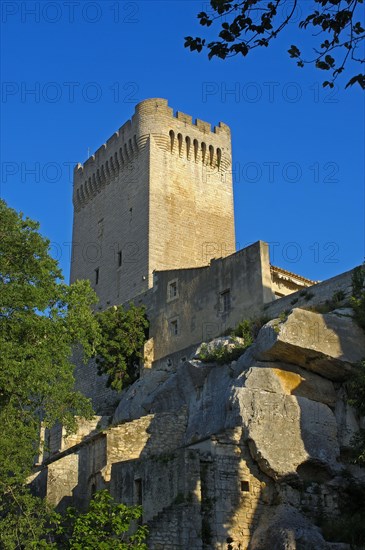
221	354
244	330
106	525
123	333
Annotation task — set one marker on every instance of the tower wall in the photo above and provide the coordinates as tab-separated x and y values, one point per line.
110	230
191	199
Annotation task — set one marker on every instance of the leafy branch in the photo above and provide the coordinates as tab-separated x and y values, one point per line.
250	24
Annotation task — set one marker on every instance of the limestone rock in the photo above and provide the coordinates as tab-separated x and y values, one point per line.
285	432
136	399
324	343
346	420
289	379
287	529
202	387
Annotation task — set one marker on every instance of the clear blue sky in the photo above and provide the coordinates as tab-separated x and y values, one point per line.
298	149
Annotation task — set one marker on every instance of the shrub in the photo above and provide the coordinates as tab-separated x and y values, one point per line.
244	330
123	333
106	525
221	354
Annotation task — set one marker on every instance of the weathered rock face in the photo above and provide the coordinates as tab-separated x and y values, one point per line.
284	432
324	343
292	417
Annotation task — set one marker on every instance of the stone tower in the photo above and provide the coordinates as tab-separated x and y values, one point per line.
157	195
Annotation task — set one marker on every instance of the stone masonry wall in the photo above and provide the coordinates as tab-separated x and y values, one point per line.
312	296
197	307
75	473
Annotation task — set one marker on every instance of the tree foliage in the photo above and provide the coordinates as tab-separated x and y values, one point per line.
336	25
27	522
105	526
41	319
123	333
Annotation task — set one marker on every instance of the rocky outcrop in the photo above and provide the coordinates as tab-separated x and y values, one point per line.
281	391
324	343
284	432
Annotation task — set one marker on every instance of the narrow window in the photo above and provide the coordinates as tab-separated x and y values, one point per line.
174	327
225	301
138	492
97	276
188	142
172	139
196	149
119	258
172	292
219	157
211	154
180	142
138	496
204	150
121	157
245	486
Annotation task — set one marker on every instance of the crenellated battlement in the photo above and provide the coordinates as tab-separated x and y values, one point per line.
159	107
147	108
177	134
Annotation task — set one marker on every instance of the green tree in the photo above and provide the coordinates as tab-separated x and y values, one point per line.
27	522
123	333
105	526
337	29
41	319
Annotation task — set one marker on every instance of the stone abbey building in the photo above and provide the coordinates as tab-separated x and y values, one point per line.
240	456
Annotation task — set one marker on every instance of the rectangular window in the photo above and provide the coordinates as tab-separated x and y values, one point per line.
138	496
119	258
172	290
174	327
225	300
138	492
245	486
97	276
